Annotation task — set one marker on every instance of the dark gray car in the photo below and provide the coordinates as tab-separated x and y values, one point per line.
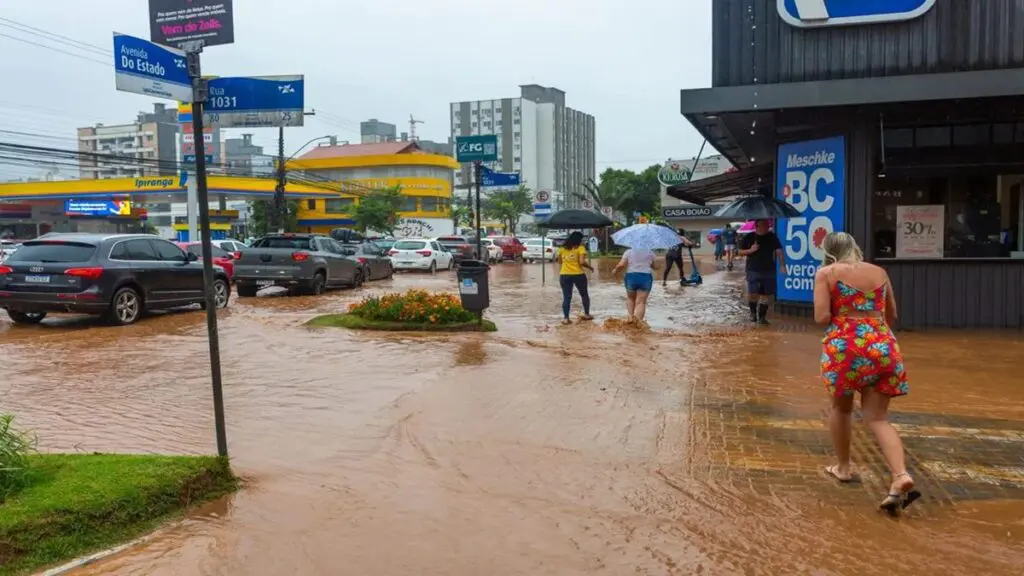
118	276
376	263
305	263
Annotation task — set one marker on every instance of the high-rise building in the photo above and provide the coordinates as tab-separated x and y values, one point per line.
551	145
374	131
243	158
146	147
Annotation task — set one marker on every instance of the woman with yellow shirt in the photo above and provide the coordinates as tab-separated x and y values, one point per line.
572	260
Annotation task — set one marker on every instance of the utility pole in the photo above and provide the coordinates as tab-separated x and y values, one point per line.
280	208
200	91
478	175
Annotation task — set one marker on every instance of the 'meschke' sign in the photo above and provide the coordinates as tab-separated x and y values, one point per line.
175	22
815	13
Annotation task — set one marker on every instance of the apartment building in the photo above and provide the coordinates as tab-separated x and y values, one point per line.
244	158
551	145
146	147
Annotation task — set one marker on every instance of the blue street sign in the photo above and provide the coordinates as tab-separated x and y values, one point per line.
483	148
812	178
541	209
259	101
191	158
143	67
813	13
492	179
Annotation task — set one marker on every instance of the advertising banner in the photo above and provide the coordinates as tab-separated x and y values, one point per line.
811	176
920	231
98	207
175	22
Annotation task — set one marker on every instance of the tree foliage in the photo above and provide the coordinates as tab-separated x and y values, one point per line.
377	210
261	217
626	191
508	206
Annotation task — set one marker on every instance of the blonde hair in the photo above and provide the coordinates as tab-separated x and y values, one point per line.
841	247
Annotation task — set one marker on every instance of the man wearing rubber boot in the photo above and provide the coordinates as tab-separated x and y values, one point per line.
763	252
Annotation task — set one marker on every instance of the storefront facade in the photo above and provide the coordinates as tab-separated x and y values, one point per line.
904	128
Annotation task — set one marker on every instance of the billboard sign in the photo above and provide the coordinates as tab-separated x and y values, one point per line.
98	208
255	102
483	148
177	22
812	178
817	13
674	172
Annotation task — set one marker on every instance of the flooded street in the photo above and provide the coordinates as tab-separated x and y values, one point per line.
540	449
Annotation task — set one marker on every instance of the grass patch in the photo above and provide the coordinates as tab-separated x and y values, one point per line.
73	504
354	322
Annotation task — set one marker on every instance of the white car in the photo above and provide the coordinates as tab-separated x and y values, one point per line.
539	249
229	245
494	252
8	247
420	254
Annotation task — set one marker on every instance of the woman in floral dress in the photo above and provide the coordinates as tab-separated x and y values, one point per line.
860	354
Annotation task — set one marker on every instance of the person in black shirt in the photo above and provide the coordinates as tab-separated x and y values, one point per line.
674	257
763	252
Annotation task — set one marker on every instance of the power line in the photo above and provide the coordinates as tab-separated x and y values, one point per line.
48	47
7	22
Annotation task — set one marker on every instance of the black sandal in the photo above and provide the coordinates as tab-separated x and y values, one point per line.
901	500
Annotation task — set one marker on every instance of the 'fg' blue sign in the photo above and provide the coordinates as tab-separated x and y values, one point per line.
812	178
813	13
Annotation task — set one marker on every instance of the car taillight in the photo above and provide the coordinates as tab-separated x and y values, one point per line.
88	273
362	260
237	254
424	252
300	256
392	252
463	246
5	270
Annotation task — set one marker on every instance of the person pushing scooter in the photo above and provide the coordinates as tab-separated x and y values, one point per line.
674	257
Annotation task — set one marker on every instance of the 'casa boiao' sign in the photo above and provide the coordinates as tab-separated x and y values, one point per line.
811	176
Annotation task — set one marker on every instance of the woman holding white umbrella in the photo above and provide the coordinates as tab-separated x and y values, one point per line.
642	240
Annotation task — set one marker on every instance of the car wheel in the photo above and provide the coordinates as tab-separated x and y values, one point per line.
26	317
125	307
433	267
451	264
221	294
319	284
391	271
247	291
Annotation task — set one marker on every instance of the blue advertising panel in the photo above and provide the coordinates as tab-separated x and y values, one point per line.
811	13
811	176
483	148
143	67
104	208
259	101
492	179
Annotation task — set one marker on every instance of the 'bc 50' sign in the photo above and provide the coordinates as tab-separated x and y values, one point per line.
812	178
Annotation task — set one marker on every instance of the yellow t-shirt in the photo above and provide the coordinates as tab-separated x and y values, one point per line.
572	260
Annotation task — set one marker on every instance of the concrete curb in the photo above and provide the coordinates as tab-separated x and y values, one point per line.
86	560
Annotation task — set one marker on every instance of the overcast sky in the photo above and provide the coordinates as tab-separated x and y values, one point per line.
623	62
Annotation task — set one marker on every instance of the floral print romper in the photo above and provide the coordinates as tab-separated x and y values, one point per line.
859	352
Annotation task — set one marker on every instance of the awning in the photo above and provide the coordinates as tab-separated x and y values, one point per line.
750	180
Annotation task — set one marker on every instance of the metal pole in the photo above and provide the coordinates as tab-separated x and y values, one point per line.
477	169
543	256
199	91
280	209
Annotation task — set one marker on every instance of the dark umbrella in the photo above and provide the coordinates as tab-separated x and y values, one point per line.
756	208
575	220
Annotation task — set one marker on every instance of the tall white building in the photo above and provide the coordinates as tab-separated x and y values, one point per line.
550	144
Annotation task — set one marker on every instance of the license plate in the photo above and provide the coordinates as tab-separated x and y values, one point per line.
37	279
264	282
405	262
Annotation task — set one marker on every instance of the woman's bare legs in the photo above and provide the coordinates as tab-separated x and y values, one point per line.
630	305
641	305
875	409
840	425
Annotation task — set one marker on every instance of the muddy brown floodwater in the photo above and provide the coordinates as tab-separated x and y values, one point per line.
589	449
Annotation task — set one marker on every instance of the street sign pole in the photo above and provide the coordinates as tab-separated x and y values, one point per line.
200	93
478	170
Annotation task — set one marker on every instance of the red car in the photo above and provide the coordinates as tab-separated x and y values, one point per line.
221	257
511	247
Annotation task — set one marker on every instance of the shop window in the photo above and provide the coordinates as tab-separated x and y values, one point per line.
408	204
970	216
1003	133
431	204
933	136
972	135
310	204
899	138
339	205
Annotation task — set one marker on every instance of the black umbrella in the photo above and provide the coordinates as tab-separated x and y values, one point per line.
575	220
756	208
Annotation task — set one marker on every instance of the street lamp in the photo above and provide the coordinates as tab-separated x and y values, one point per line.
279	204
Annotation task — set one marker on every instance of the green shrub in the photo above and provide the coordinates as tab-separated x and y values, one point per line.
15	448
415	306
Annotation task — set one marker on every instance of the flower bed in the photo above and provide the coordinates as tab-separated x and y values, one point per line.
413	310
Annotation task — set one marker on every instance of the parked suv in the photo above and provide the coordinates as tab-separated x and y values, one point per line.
462	248
117	276
511	247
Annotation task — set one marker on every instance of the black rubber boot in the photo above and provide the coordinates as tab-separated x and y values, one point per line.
753	311
762	314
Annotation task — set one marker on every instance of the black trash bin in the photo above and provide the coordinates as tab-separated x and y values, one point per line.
474	288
